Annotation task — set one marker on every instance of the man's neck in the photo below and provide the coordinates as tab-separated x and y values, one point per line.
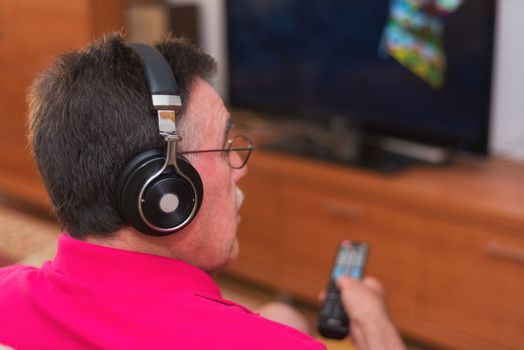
177	246
131	240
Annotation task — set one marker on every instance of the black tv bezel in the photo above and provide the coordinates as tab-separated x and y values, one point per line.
421	135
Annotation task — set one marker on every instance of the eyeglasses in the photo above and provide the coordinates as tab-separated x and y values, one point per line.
238	150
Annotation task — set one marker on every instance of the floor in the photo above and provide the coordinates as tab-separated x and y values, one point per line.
28	236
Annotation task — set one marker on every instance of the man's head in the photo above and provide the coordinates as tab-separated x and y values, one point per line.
91	112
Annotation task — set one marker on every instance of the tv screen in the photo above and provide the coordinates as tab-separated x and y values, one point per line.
316	60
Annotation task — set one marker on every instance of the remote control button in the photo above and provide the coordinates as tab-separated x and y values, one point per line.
332	297
356	272
334	322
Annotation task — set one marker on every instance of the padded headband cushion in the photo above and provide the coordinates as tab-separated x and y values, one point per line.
159	75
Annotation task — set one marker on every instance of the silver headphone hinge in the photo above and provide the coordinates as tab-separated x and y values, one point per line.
166	122
167	106
172	141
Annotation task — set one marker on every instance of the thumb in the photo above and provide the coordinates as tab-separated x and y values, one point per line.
345	283
361	299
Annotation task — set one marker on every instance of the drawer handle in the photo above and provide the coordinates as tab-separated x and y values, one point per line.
502	251
343	211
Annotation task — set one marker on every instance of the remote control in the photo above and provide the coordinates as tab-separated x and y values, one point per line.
350	260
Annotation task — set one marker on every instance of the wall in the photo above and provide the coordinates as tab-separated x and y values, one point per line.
507	130
507	122
212	18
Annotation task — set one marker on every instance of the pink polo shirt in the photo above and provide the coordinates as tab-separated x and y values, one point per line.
94	297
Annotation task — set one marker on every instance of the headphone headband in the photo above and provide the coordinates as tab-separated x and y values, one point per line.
162	86
159	75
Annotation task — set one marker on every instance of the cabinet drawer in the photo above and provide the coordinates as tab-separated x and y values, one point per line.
314	221
14	154
257	234
472	280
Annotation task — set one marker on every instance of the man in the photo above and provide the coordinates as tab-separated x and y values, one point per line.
111	286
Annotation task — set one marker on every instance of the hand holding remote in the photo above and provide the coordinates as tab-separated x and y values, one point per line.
363	299
371	327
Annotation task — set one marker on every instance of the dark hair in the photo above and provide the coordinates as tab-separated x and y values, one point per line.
89	113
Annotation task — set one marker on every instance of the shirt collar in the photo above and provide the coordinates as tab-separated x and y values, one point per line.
110	267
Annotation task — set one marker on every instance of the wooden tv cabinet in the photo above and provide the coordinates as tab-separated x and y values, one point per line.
447	242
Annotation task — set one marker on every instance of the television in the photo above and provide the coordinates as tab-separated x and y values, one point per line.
323	63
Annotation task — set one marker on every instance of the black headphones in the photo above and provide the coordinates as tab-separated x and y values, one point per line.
158	192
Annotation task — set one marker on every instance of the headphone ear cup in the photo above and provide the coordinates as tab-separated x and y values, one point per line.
189	170
167	202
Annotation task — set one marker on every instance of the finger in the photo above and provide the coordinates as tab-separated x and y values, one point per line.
373	284
357	337
345	283
322	296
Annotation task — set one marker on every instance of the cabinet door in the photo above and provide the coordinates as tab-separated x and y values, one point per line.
472	280
32	32
257	234
315	220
